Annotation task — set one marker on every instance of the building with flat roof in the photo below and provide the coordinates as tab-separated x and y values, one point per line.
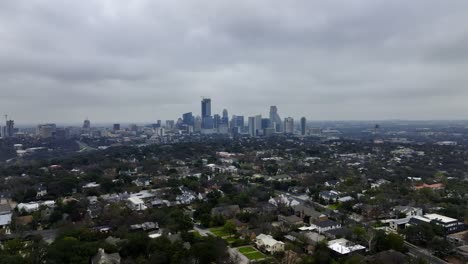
450	225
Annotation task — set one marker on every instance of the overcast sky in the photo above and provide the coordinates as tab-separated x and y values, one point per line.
119	60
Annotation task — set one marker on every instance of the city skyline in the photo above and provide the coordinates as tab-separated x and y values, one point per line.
140	61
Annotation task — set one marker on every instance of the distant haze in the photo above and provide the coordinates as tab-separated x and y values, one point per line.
139	61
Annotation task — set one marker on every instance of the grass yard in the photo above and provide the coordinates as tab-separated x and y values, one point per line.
333	206
251	253
219	231
255	255
247	249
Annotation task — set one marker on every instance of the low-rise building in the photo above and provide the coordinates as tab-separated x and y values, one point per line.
326	225
344	247
269	244
136	204
450	225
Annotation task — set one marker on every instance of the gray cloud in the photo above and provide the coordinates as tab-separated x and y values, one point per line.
146	60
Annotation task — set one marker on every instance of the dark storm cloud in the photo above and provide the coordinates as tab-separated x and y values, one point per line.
145	60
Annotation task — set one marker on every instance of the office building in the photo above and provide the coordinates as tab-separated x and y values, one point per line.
9	129
252	128
258	125
206	107
197	124
116	127
216	121
275	119
46	130
207	119
303	126
86	124
289	125
225	118
170	124
188	119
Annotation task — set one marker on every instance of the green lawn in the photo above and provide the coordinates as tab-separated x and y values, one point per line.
246	250
333	206
255	255
251	253
219	231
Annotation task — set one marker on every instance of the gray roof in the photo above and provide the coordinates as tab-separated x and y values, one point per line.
307	210
5	208
102	257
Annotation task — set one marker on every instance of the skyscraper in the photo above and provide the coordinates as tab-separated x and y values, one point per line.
225	118
258	125
206	107
289	125
46	130
116	127
275	119
207	120
9	128
303	126
188	119
86	124
252	128
216	121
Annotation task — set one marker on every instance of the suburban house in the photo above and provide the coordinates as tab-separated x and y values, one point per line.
227	211
407	210
308	214
102	257
326	225
399	224
329	196
344	247
291	220
136	204
34	206
279	178
268	243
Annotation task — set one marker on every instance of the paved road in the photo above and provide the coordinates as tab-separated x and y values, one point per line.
424	254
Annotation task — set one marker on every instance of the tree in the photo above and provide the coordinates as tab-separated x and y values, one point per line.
229	227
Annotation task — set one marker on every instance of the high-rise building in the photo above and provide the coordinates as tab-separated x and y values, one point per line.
225	118
170	124
134	127
275	119
197	124
216	121
240	122
258	125
252	128
86	124
303	126
265	123
116	127
9	129
289	125
207	119
188	119
206	107
46	130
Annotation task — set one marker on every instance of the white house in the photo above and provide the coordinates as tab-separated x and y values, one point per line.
323	226
34	206
136	204
343	246
268	243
